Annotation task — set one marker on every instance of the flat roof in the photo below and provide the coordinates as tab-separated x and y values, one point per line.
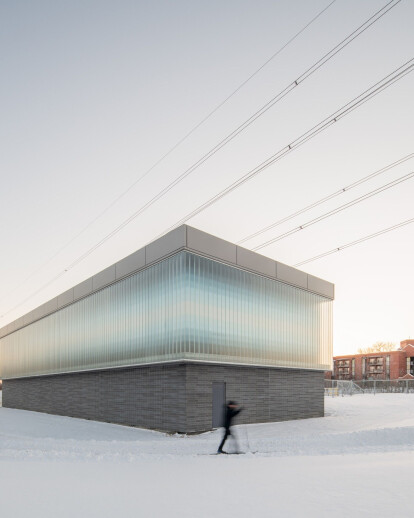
181	238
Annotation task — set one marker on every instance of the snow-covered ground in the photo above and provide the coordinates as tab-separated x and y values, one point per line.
357	461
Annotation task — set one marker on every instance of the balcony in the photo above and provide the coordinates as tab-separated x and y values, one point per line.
376	361
343	363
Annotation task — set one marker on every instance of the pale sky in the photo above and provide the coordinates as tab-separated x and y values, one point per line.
93	93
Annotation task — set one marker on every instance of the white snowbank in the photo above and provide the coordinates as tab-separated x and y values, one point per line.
356	461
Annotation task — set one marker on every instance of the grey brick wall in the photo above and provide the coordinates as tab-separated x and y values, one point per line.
175	397
148	397
267	394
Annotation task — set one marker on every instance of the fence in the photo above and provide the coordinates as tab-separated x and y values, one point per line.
348	387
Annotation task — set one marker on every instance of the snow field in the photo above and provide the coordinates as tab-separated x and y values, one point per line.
356	461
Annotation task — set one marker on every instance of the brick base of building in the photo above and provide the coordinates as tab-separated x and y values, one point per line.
171	397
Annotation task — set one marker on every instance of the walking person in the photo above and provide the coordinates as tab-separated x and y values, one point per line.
230	411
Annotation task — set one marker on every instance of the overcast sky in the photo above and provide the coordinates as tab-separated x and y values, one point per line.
93	93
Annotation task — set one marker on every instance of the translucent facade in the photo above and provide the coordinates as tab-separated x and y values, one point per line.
184	307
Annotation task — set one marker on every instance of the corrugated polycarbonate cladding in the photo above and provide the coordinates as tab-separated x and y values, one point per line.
136	320
239	317
185	307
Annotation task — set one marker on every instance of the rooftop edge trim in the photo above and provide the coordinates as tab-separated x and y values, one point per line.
183	237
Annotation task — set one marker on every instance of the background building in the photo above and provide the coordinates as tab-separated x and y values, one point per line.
383	366
161	339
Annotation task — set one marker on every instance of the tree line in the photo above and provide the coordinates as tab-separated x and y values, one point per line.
378	347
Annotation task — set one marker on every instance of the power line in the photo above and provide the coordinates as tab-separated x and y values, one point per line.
251	77
222	103
358	241
357	32
177	144
327	198
266	107
368	94
398	74
283	93
336	211
348	108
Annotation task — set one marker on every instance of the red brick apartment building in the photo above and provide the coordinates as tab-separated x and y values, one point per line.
383	366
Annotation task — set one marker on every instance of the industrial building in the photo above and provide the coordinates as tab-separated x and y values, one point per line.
164	336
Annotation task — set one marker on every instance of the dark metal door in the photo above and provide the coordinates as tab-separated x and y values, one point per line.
219	400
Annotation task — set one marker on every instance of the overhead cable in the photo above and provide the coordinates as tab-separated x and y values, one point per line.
340	46
266	107
367	95
179	142
357	242
327	198
362	28
348	108
336	211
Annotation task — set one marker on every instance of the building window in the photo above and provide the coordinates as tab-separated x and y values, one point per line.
353	368
410	365
374	367
387	366
363	367
343	369
376	360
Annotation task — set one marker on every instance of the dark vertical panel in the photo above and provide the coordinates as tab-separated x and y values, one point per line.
219	400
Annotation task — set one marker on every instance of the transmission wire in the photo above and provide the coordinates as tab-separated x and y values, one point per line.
327	198
348	108
173	148
356	242
362	28
335	211
379	14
